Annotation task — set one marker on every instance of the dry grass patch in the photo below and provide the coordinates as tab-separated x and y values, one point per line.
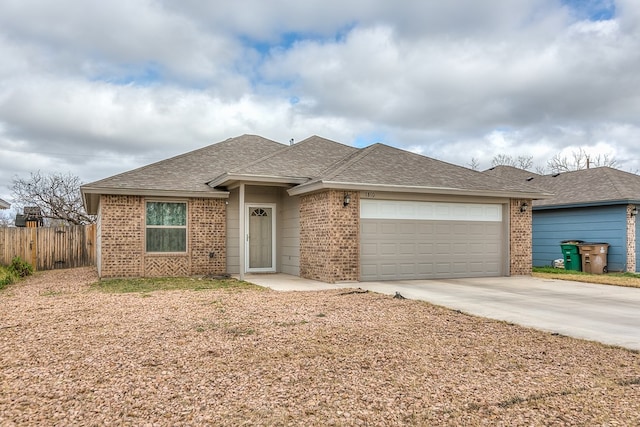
259	357
631	280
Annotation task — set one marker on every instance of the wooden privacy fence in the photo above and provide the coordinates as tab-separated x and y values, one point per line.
50	248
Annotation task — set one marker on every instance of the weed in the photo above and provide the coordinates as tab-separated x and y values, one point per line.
240	331
515	400
146	285
285	324
7	277
629	381
20	268
51	293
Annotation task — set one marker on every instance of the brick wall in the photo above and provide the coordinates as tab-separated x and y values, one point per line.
208	235
631	240
520	238
329	237
123	245
122	235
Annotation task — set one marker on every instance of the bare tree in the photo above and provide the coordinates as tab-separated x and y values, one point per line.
525	162
579	159
6	219
474	164
521	162
57	195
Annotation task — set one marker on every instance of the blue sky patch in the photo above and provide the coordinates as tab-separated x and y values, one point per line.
366	139
132	74
593	10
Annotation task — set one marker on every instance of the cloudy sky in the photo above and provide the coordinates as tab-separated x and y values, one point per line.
100	87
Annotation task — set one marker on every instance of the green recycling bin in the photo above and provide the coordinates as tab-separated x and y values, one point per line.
571	255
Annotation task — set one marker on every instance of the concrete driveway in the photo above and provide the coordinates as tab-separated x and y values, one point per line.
607	314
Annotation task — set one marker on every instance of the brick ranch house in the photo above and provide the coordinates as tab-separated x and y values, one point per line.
316	209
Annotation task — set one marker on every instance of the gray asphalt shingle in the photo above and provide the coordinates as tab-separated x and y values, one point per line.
316	159
191	171
587	186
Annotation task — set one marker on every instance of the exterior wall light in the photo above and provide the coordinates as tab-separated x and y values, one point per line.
524	207
634	211
347	200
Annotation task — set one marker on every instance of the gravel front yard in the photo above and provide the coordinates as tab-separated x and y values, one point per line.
70	355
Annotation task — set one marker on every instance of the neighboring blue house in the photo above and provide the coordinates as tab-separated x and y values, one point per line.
592	205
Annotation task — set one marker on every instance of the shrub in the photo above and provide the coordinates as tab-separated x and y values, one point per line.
7	277
20	268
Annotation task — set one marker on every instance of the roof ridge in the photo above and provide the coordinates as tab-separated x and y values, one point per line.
347	161
609	173
263	158
285	148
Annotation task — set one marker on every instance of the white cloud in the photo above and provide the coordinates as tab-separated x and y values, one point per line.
100	87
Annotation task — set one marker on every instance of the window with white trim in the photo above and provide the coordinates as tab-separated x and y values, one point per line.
166	227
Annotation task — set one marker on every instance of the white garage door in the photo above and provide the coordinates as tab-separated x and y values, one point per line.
429	240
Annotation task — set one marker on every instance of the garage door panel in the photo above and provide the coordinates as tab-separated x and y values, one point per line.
460	267
460	229
388	249
407	269
368	249
424	249
443	249
459	249
425	268
407	249
388	228
443	268
477	248
406	228
396	248
424	228
369	228
442	228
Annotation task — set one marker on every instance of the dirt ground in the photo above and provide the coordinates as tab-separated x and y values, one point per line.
70	355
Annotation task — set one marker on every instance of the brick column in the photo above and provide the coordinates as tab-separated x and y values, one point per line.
330	237
520	238
208	236
631	240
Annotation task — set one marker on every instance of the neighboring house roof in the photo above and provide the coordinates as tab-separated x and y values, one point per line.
4	205
586	187
310	165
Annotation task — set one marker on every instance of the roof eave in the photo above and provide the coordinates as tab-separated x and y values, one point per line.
91	195
587	204
230	179
326	185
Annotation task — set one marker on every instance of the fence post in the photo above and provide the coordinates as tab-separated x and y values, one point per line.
34	248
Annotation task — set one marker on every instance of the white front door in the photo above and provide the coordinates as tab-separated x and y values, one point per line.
260	238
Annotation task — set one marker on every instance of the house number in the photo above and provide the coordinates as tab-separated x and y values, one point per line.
370	194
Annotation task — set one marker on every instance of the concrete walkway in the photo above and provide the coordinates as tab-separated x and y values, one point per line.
607	314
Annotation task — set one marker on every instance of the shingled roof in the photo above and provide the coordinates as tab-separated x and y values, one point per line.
383	167
295	164
310	165
184	175
594	186
4	205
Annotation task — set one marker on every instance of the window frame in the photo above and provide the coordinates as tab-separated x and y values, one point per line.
185	226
